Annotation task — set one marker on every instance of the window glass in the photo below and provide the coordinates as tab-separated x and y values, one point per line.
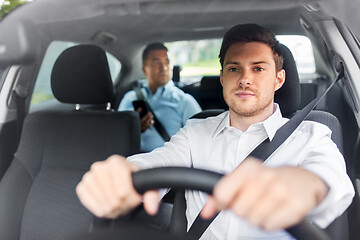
196	58
42	90
200	57
6	6
301	48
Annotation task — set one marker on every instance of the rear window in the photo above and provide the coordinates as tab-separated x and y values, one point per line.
200	57
42	90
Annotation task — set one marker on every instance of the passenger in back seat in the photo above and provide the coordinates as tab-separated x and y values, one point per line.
171	105
305	176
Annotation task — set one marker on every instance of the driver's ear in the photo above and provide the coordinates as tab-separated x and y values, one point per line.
280	79
221	77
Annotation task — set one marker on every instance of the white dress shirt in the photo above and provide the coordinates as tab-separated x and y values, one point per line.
214	145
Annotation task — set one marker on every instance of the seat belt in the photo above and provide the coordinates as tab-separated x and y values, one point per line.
157	124
264	150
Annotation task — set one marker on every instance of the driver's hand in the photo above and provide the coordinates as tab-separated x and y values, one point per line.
271	198
146	121
107	190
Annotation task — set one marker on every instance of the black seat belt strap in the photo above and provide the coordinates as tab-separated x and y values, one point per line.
264	150
157	124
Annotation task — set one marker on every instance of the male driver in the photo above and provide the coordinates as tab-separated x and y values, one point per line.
171	106
305	176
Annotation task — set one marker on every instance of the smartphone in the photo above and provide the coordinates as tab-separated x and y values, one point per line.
140	104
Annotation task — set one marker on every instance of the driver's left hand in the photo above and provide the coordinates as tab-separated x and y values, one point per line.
271	198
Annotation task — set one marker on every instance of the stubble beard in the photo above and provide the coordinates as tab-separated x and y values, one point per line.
259	105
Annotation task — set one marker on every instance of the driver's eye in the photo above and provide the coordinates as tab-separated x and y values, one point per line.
258	69
233	69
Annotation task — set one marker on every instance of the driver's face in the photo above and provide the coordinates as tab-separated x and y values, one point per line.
249	79
156	68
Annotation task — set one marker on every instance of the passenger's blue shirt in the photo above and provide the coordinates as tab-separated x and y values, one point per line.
171	106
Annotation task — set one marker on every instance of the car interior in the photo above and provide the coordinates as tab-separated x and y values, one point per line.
80	58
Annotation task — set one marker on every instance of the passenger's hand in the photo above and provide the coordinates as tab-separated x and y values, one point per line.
146	121
107	190
271	198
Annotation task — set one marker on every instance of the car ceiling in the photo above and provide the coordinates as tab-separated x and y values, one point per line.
121	26
122	21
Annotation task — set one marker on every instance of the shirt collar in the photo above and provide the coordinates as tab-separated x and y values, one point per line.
160	90
225	122
270	125
273	123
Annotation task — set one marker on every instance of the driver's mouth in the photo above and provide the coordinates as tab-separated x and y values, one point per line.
244	94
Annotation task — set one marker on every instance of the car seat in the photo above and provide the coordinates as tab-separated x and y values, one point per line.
37	193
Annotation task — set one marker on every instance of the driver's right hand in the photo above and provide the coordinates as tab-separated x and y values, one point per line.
107	190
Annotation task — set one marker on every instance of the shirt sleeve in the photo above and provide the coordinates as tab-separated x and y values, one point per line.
326	161
126	102
175	153
190	108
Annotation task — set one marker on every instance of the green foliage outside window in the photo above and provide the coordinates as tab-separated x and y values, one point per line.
9	5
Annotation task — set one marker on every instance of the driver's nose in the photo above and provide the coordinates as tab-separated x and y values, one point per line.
244	80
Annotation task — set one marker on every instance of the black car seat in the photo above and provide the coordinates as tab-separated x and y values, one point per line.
37	193
208	93
288	97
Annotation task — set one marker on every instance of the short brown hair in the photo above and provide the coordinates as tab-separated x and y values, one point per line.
252	33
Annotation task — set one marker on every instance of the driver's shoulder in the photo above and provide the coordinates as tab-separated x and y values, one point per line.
314	128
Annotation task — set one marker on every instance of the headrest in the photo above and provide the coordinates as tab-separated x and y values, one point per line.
81	75
288	96
210	82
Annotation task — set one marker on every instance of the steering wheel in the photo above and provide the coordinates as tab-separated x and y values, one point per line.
194	179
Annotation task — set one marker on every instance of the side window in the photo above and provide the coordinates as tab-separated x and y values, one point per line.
42	91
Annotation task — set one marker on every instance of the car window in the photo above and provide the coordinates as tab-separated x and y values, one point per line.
200	57
6	6
301	48
42	90
196	58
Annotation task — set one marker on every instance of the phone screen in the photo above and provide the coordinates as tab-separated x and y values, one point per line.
140	104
